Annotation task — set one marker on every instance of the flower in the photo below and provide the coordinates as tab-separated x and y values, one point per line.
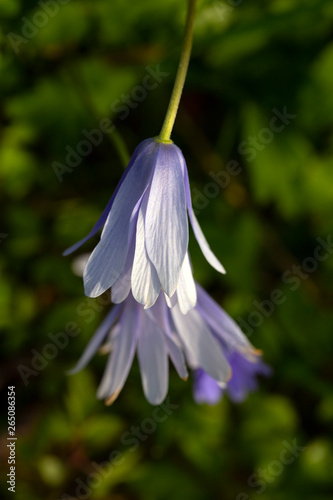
244	360
143	245
206	339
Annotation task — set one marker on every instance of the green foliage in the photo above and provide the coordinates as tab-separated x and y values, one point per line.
58	82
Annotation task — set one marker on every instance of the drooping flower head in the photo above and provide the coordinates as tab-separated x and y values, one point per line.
206	339
143	245
245	361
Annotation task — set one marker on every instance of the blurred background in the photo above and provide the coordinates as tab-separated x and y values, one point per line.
255	126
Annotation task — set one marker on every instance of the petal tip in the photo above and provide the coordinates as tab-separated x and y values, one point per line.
220	268
92	290
112	398
156	400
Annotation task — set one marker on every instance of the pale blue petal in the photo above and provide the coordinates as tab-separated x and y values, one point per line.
97	340
107	346
108	258
177	357
206	389
122	286
153	360
166	226
205	352
221	323
244	376
99	224
159	314
186	291
205	248
145	283
122	354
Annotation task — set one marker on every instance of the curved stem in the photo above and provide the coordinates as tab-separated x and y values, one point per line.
171	113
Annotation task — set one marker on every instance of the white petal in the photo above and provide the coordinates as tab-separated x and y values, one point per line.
171	301
205	248
186	291
145	283
153	360
205	352
108	258
121	357
166	226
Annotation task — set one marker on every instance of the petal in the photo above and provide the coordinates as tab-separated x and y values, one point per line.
106	348
99	224
206	389
159	314
166	226
153	360
171	301
221	323
122	286
97	340
108	258
205	352
145	283
177	357
244	376
122	354
186	291
205	248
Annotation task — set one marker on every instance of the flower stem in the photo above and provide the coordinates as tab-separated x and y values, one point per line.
170	116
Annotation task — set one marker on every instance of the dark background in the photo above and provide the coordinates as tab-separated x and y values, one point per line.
64	77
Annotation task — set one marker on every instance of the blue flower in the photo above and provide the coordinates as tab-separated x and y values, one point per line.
143	245
205	340
244	360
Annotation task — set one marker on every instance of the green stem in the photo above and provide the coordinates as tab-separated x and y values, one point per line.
180	77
